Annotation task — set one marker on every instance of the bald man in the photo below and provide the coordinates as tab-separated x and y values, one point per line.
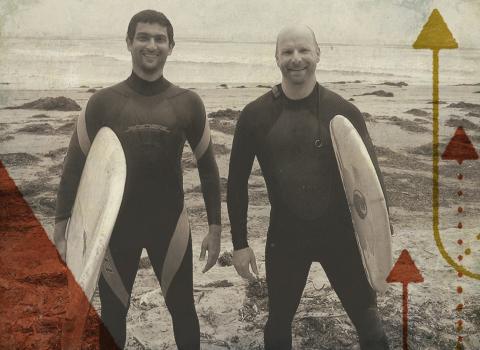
287	129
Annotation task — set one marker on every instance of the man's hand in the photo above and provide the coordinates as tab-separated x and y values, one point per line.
211	243
59	239
242	260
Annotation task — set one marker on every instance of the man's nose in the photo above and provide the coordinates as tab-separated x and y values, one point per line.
151	43
296	56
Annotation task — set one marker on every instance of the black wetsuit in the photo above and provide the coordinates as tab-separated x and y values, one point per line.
152	121
309	218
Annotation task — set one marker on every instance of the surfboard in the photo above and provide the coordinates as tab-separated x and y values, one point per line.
366	201
89	228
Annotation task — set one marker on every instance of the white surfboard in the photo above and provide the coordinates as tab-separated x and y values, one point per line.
88	231
95	210
366	201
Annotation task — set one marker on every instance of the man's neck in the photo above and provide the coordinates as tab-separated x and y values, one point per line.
297	92
146	76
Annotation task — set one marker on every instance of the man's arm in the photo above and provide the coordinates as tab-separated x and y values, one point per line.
198	135
241	161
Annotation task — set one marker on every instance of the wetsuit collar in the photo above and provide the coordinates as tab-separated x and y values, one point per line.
147	88
310	101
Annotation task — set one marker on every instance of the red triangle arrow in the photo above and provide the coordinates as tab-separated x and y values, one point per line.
460	147
404	270
33	279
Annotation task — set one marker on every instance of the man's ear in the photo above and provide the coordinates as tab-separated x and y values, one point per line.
129	43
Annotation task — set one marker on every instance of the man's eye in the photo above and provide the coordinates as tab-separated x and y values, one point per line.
142	38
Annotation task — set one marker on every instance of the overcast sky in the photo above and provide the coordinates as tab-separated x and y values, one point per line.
347	21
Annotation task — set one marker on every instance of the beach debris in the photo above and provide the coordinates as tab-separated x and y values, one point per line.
405	124
210	316
39	129
224	120
225	114
60	103
55	170
220	149
346	82
421	121
257	289
40	116
367	116
234	339
240	87
380	93
399	84
144	263
263	86
219	284
37	187
66	128
92	90
477	92
150	299
188	161
225	259
465	123
472	114
417	112
351	99
18	159
464	105
4	138
225	86
47	205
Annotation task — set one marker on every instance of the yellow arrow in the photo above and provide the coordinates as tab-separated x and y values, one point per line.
435	35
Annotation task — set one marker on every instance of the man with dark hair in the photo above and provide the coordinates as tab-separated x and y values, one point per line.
152	119
287	129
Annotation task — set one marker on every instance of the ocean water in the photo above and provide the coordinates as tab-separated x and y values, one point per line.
44	63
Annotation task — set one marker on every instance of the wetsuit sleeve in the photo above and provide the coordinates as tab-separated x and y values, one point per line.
241	161
198	136
73	164
359	124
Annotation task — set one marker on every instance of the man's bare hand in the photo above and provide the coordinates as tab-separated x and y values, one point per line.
242	260
211	243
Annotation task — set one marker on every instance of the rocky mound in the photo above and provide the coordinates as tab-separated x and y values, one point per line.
60	103
380	93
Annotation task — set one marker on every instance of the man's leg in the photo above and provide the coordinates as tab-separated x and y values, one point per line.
115	286
342	263
287	272
179	295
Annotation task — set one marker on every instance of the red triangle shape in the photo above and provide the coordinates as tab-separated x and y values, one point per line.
405	270
460	147
34	294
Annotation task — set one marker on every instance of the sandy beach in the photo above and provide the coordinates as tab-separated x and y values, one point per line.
232	314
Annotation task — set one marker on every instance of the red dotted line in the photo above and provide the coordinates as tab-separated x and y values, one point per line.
460	306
